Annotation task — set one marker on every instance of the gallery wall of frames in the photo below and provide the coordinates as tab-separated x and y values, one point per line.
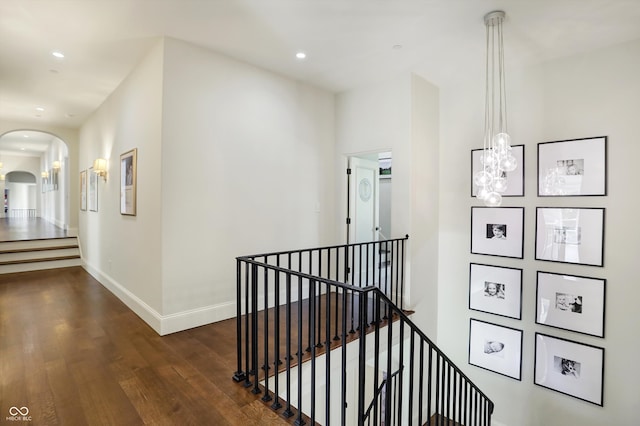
128	182
565	235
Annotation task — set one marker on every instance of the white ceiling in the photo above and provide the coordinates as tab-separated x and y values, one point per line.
348	42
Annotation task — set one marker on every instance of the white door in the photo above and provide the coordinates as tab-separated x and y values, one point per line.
365	192
364	195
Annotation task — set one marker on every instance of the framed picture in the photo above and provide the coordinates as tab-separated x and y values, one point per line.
571	302
54	179
93	190
515	178
83	190
575	167
385	167
497	231
495	348
495	290
128	182
570	235
568	367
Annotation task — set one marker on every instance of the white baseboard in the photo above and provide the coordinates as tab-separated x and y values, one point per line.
197	317
163	324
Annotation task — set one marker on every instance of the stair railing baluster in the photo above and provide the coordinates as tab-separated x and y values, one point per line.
312	330
343	390
376	348
318	339
287	412
276	346
266	397
254	327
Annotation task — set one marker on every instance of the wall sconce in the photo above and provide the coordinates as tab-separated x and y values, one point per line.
1	165
45	175
1	177
100	168
56	165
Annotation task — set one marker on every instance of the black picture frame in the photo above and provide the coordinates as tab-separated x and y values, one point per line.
571	302
495	290
507	225
570	235
496	348
515	178
568	367
573	167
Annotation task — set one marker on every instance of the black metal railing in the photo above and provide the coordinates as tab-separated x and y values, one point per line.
332	352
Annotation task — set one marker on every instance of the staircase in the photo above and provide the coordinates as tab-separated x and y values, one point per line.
37	254
323	338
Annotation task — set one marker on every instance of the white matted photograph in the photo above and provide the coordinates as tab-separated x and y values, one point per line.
495	290
497	231
571	302
569	367
515	179
570	235
576	167
93	191
83	190
128	182
495	348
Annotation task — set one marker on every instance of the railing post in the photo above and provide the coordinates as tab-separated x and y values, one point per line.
362	358
239	375
254	327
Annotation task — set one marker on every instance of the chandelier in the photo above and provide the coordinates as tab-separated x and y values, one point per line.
496	158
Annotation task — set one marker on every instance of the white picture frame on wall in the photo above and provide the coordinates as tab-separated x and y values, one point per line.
515	179
495	348
93	190
497	231
570	235
571	302
569	367
496	290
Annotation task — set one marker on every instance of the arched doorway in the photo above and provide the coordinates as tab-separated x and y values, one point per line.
34	177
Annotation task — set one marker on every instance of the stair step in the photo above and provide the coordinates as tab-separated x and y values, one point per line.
8	246
40	259
38	255
40	265
26	250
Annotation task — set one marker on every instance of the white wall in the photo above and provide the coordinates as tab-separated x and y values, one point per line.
244	170
593	94
231	161
124	252
399	115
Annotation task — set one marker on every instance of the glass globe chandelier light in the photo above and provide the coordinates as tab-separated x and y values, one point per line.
496	158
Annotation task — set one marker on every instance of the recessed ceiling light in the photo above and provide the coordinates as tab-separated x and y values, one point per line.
22	149
26	136
53	71
301	55
39	109
397	47
57	54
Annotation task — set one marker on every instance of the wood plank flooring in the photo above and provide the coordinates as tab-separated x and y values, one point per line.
28	228
73	354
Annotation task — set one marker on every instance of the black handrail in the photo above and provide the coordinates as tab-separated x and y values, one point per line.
294	294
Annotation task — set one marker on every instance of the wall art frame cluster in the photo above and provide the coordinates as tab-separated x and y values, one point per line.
128	185
573	303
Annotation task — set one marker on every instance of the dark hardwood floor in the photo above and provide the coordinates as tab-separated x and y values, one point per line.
73	354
